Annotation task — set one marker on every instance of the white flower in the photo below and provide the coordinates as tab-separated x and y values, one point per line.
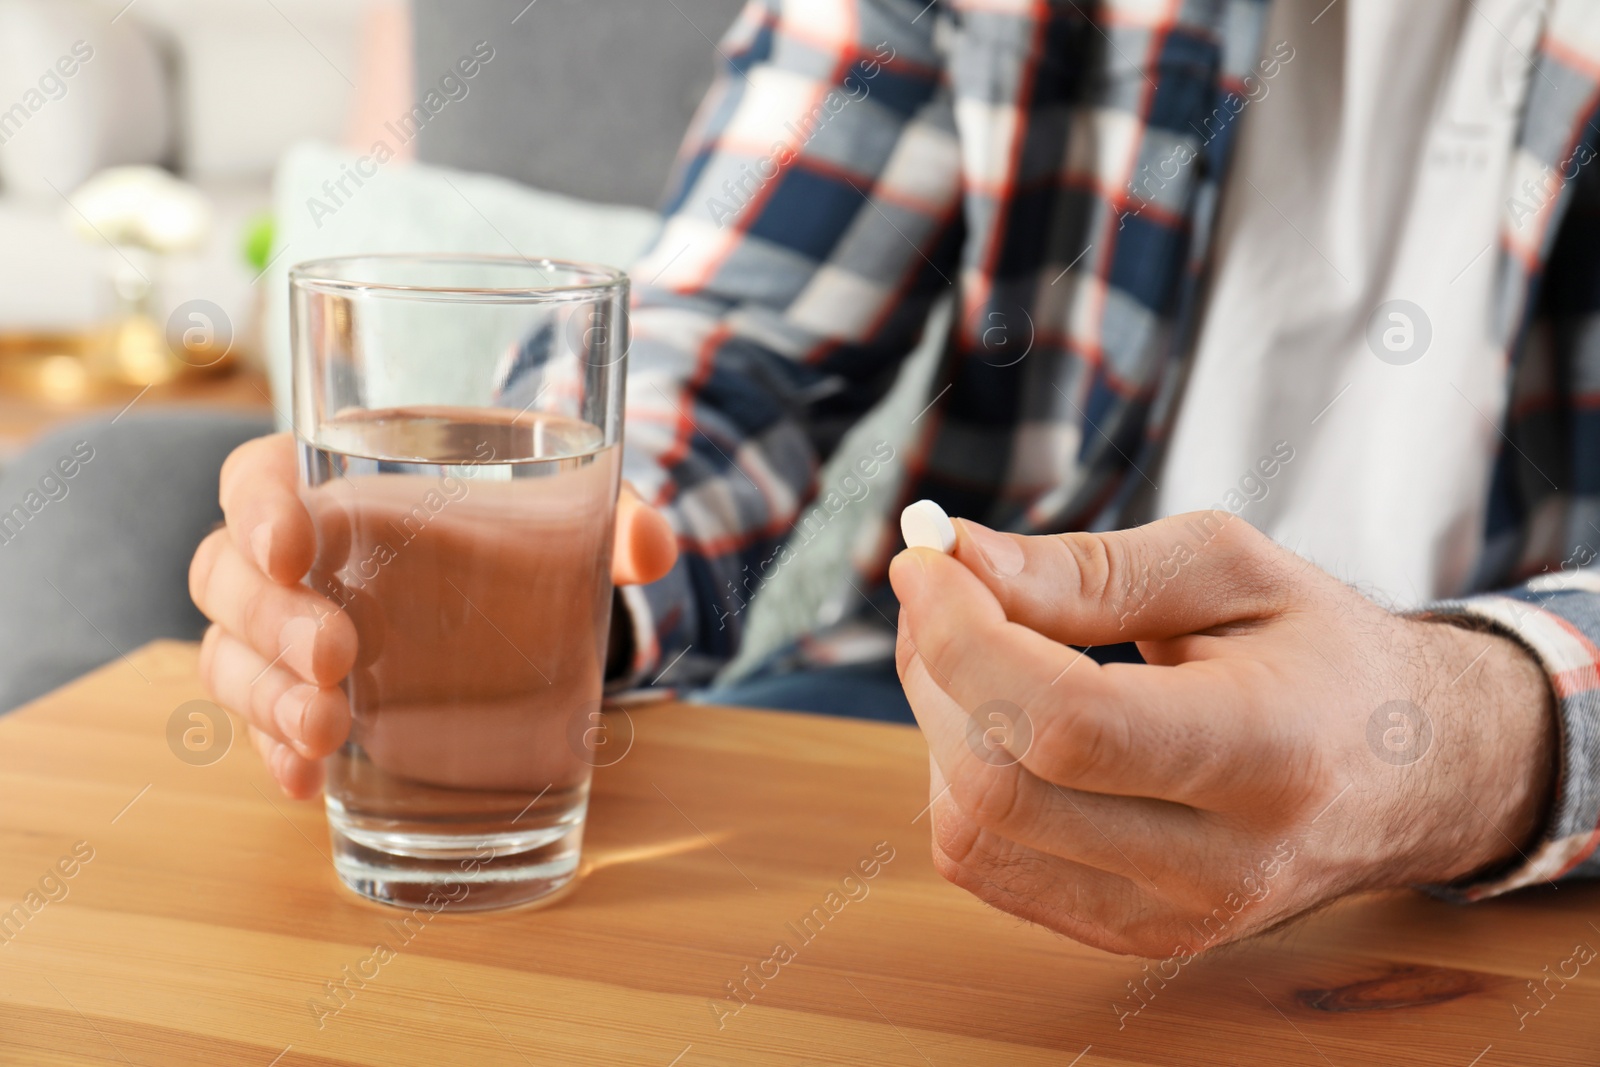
141	206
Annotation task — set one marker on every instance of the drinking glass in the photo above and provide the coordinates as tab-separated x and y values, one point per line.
459	421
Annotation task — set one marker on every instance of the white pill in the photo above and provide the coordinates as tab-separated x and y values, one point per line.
925	525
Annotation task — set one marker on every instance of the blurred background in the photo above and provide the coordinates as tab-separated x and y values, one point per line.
258	109
164	162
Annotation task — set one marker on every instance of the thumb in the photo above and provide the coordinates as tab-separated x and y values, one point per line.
646	548
1175	576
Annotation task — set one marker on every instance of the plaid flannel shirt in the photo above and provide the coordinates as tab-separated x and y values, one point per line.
856	159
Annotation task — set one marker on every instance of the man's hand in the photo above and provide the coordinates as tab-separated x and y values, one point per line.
277	651
1287	741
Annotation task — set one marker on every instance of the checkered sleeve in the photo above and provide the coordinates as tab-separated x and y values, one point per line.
812	221
1557	618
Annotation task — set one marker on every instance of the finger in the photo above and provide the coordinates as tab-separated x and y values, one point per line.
1170	733
261	503
646	547
298	777
288	624
1102	910
1175	576
1143	840
312	721
981	758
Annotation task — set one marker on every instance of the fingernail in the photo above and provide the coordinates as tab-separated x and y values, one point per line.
261	545
1001	553
298	643
290	715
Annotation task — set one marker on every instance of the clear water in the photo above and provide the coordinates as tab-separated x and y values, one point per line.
472	550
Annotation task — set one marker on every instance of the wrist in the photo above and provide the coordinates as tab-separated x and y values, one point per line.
1498	737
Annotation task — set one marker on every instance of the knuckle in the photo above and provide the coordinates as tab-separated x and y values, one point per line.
957	860
1187	896
968	856
1117	917
1025	886
1238	534
264	694
202	566
948	869
255	618
220	673
1245	547
1095	560
1144	938
258	708
991	798
266	747
1210	926
955	837
338	637
970	873
1081	741
1100	740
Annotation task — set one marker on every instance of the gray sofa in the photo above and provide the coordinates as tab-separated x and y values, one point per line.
585	97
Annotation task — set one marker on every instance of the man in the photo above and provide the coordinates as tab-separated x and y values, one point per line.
1322	270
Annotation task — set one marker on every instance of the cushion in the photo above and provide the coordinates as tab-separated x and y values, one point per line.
413	207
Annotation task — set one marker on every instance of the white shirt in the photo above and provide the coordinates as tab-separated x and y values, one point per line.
1374	169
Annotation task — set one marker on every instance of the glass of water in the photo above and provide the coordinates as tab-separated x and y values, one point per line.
459	421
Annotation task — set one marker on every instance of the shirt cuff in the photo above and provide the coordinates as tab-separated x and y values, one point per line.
646	648
1557	619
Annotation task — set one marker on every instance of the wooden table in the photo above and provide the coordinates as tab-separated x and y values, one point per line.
208	920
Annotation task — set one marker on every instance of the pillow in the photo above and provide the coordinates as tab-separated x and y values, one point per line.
78	93
414	207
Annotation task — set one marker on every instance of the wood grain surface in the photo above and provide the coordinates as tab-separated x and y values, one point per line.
206	921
